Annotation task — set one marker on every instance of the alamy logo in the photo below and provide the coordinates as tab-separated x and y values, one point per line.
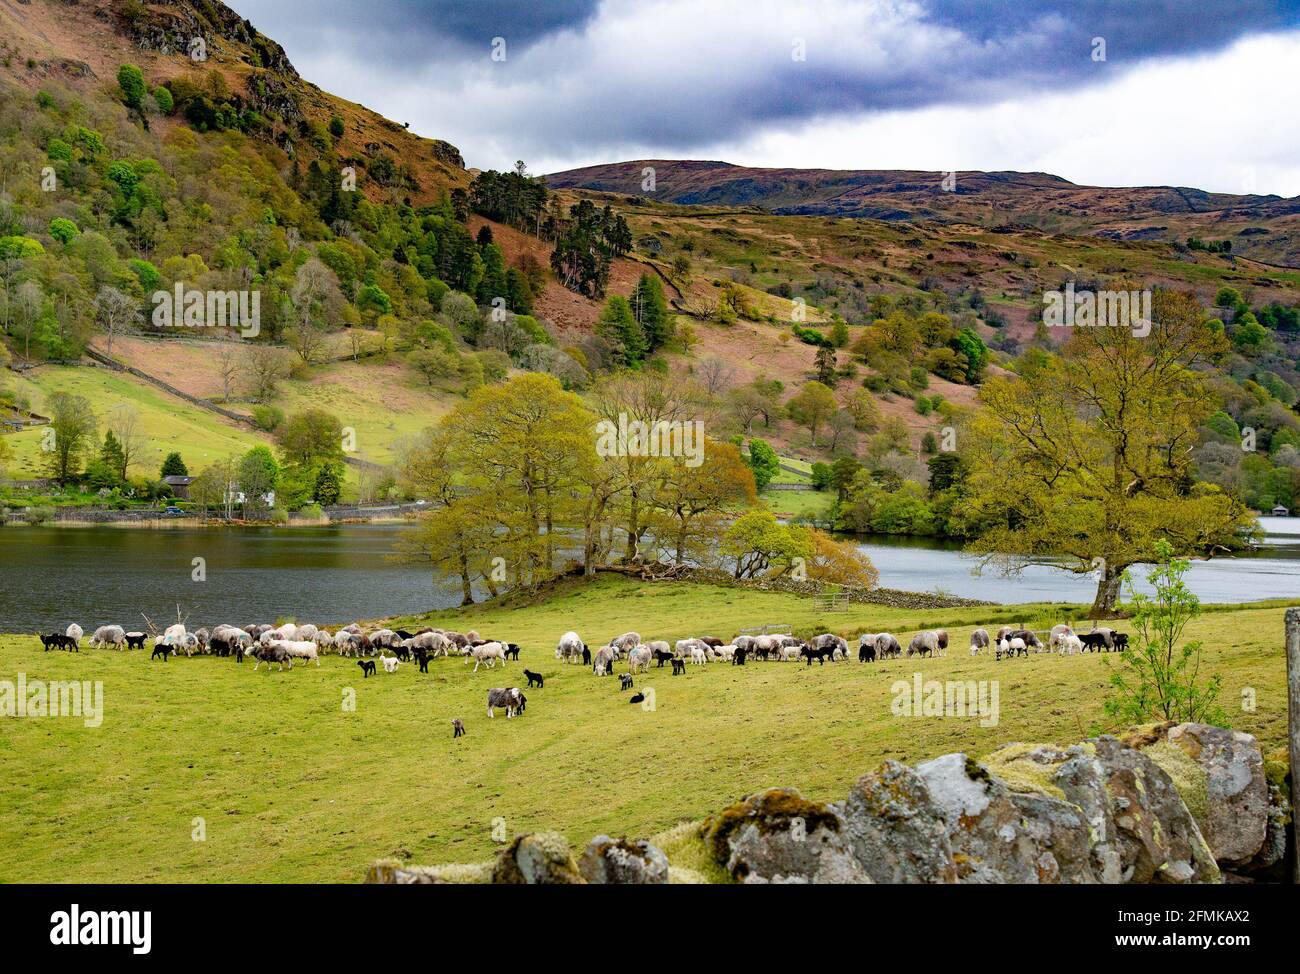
71	928
58	698
1084	309
664	438
181	308
954	698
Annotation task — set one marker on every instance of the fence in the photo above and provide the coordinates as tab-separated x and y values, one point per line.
832	602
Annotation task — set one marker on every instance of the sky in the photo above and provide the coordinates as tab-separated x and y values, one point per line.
1196	93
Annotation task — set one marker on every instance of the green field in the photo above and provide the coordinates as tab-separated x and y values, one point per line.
166	422
291	786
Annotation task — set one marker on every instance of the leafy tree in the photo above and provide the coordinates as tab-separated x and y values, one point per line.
762	547
63	230
651	311
131	81
764	463
1099	440
163	99
72	424
1158	677
173	466
112	456
812	406
336	127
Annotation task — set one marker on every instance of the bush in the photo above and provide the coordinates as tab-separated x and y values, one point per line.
278	515
268	418
312	511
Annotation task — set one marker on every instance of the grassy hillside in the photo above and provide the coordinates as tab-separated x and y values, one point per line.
290	786
166	422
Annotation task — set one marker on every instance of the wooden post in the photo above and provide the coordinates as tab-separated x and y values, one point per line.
1293	710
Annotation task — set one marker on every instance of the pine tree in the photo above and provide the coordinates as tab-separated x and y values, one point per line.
174	466
619	325
113	455
651	311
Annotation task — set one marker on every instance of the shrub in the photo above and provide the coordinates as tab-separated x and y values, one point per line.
268	418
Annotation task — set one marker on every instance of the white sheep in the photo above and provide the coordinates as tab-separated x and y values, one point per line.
727	652
304	649
570	647
390	663
488	653
639	659
1071	644
109	636
75	633
698	656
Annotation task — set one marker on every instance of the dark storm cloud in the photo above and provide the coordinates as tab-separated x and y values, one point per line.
591	78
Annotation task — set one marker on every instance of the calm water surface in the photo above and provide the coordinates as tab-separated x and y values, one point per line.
332	575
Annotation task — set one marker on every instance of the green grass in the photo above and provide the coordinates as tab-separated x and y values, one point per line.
797	503
293	787
166	422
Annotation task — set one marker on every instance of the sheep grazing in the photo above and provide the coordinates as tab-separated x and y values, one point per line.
391	663
226	640
433	643
924	644
832	643
457	727
489	653
511	698
639	659
303	649
109	636
323	640
727	653
1107	634
570	648
887	646
1030	640
979	639
74	632
789	654
347	642
603	662
626	642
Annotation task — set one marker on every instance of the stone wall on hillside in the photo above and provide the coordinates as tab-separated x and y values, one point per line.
1169	803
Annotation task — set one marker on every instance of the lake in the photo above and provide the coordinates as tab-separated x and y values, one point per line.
50	576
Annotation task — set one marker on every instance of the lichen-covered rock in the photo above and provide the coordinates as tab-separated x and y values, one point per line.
895	829
777	836
1157	837
538	858
607	860
1235	815
1000	836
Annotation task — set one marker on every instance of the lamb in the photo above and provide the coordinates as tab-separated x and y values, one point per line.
727	652
570	647
818	653
639	659
511	698
1058	635
109	636
698	655
74	632
457	727
1093	641
979	639
488	653
625	681
367	667
161	649
867	647
1107	634
788	654
1015	646
391	663
534	679
679	666
1070	645
685	648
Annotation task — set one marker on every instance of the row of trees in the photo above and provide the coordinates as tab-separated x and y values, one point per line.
518	487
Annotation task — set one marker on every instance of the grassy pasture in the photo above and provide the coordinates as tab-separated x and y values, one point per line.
292	787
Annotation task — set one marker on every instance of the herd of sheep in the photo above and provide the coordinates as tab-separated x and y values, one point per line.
289	643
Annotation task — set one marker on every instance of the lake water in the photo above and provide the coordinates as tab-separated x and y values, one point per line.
50	576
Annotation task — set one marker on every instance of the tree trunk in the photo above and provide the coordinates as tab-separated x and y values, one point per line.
1103	606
